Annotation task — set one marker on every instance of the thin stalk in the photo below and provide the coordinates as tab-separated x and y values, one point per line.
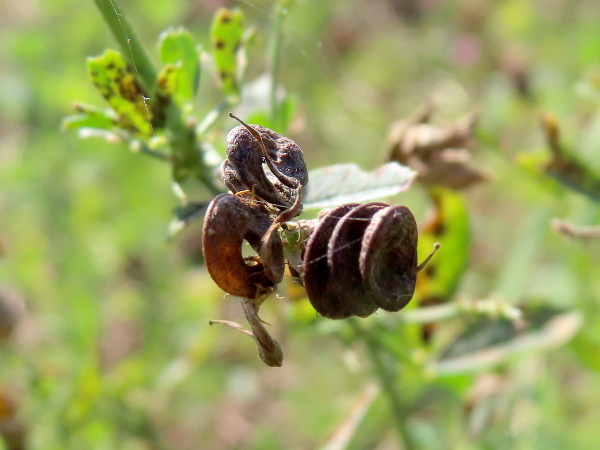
212	117
281	8
387	379
490	308
131	47
141	147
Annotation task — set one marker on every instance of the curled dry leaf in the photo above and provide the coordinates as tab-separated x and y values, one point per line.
438	154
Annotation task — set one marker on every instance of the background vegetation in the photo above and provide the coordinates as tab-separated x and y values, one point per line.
104	340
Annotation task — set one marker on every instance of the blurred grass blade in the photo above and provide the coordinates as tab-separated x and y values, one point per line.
226	38
556	332
342	435
515	275
177	48
567	168
346	183
122	92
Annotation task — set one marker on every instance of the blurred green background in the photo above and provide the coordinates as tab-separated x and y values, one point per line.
110	345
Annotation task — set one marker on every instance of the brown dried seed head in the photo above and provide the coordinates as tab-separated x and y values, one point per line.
248	147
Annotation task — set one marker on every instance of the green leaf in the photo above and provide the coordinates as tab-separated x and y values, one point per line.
167	83
346	183
450	227
90	117
177	48
586	347
226	40
287	110
122	92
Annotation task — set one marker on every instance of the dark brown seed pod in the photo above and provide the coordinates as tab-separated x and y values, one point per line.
360	258
229	221
317	280
388	258
248	147
343	253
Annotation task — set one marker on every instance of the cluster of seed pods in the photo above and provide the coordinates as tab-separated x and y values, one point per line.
357	258
265	173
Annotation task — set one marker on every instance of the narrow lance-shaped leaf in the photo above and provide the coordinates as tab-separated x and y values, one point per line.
121	91
348	183
90	116
178	49
226	39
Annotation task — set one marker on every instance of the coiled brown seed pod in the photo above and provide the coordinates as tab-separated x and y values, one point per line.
270	169
229	221
251	146
361	258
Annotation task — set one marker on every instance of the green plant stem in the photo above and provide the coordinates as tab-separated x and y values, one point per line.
186	157
491	308
281	8
131	47
387	379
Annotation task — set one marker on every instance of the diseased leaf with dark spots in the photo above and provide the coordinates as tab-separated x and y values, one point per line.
226	39
178	49
121	90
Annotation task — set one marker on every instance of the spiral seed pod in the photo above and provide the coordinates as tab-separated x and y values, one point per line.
360	258
343	252
248	147
229	221
388	258
321	291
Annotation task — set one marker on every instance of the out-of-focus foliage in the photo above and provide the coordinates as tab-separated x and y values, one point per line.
104	335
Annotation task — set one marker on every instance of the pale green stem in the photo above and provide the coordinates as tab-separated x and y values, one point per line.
387	380
281	8
131	47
